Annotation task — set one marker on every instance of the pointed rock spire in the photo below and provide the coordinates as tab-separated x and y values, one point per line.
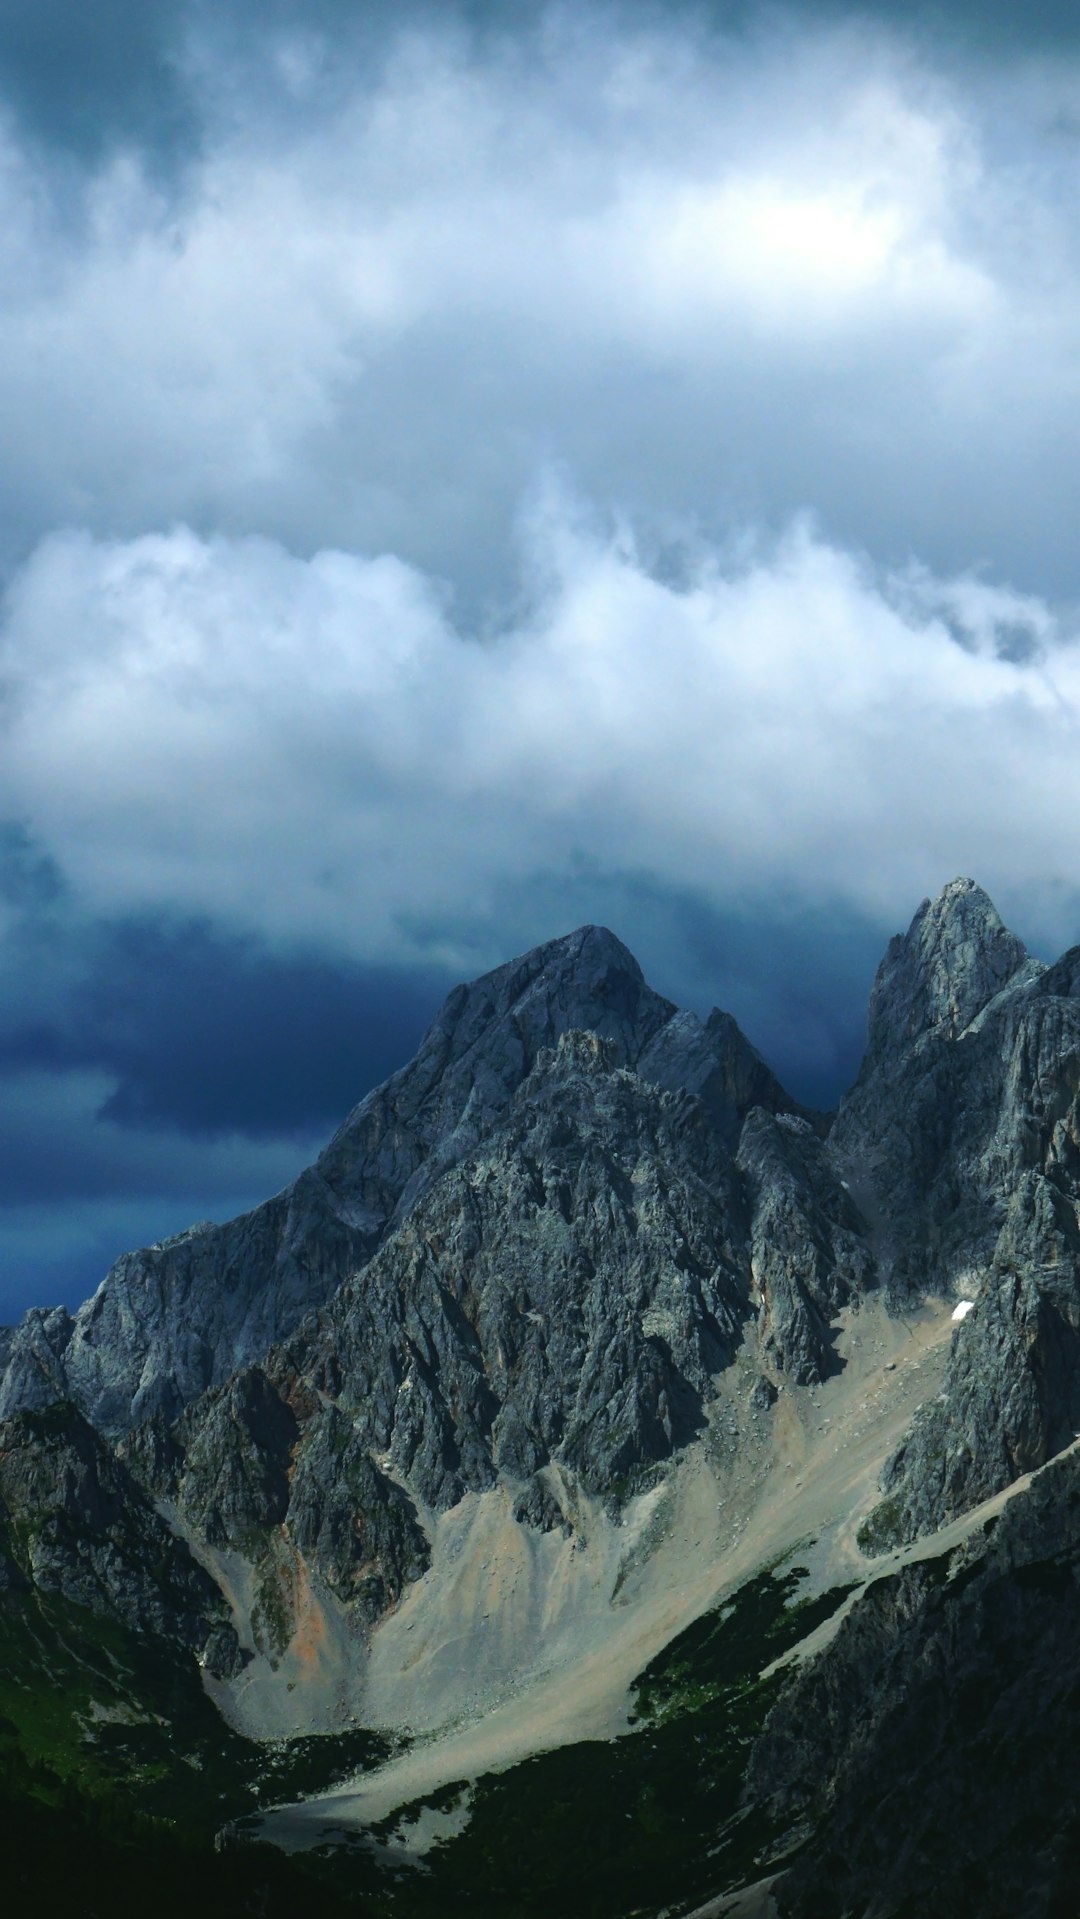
936	977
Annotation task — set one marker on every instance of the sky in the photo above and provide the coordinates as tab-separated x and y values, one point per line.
467	470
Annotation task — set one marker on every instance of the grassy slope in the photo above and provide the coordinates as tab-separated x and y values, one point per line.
94	1724
633	1826
116	1772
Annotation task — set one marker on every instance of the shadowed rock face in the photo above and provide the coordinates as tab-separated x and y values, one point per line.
961	1139
809	1255
73	1521
173	1319
566	1294
940	1094
930	1752
938	976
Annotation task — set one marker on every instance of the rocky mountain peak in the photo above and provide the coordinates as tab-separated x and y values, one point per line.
936	977
173	1319
585	981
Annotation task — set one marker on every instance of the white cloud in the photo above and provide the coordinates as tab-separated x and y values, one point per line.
307	746
797	269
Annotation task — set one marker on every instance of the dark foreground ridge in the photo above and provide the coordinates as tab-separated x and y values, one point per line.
529	1268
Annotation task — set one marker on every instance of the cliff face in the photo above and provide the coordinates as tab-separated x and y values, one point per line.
173	1319
960	1138
929	1755
74	1522
565	1295
543	1240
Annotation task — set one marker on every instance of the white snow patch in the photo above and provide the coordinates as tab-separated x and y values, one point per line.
964	1308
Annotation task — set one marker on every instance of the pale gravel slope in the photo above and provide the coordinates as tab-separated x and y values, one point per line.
507	1648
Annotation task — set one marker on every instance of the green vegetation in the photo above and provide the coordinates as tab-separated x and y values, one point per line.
640	1825
94	1855
116	1772
881	1530
104	1710
721	1655
94	1723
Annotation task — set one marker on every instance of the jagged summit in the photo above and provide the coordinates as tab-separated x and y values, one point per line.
177	1318
933	1093
936	977
492	1028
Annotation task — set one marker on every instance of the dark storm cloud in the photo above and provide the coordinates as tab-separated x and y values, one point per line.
152	1073
210	1035
192	1030
79	74
796	977
83	78
29	878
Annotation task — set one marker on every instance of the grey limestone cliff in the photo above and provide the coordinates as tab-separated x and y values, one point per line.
172	1319
544	1238
74	1521
928	1131
175	1318
565	1293
927	1758
809	1249
532	1246
961	1140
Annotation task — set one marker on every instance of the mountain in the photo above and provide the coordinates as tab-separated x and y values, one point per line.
585	1367
180	1316
961	1136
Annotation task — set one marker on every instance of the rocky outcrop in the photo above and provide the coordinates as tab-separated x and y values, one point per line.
715	1060
961	1140
76	1523
352	1521
229	1462
809	1251
933	1132
539	1243
936	978
529	1246
927	1758
33	1374
279	1475
566	1295
1011	1392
